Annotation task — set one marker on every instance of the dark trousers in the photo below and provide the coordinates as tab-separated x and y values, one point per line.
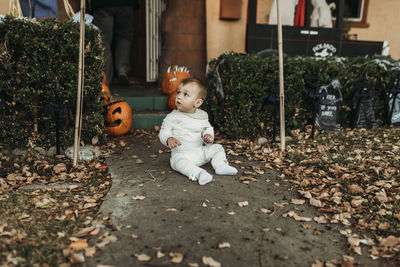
115	21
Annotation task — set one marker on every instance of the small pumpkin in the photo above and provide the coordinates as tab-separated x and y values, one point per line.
105	94
171	100
173	78
118	120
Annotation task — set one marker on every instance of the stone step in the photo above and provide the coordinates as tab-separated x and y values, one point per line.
141	97
147	120
149	105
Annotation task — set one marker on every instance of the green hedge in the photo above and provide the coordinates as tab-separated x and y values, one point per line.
35	56
248	80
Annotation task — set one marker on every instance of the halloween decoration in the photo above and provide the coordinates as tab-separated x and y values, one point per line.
105	94
329	101
363	107
118	120
173	78
322	14
393	103
171	100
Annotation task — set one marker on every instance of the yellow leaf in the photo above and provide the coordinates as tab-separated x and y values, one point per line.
78	244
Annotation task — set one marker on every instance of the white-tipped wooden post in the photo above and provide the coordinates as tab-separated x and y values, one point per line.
79	98
281	86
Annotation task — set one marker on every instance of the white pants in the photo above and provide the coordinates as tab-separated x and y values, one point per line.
188	162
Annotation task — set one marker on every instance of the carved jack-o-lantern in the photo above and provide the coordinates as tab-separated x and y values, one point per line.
171	100
105	94
118	120
173	78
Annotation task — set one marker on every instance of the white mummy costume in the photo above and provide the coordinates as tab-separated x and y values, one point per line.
193	152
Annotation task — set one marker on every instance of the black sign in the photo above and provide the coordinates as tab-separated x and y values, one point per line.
329	104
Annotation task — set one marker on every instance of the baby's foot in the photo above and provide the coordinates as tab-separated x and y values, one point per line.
225	169
204	177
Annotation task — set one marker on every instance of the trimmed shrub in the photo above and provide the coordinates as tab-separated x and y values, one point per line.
249	83
39	75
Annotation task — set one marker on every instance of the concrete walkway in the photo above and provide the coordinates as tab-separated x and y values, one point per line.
161	214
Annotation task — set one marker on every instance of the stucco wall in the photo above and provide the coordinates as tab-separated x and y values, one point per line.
383	20
226	35
4	6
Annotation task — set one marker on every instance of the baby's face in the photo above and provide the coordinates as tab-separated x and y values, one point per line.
187	98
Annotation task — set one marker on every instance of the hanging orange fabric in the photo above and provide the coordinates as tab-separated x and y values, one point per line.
300	13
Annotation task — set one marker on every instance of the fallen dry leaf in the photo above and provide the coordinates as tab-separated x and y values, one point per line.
142	257
209	261
160	254
120	194
316	202
106	240
243	203
318	263
295	216
90	252
281	205
355	189
265	210
171	209
78	244
138	197
297	201
224	245
176	257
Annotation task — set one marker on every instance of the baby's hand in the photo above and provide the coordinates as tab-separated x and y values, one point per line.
208	138
172	142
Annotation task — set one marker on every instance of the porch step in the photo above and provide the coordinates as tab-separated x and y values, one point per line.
149	106
141	97
148	120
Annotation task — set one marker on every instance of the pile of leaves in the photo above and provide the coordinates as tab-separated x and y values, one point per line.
352	177
46	204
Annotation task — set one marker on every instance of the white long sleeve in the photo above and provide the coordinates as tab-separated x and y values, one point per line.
187	128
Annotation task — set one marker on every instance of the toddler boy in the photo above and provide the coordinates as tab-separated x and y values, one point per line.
189	135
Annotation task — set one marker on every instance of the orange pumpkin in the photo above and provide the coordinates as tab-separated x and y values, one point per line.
172	79
118	120
171	100
105	94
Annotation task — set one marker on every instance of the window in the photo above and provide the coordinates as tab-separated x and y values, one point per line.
355	12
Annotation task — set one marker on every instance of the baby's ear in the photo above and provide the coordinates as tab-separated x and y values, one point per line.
198	102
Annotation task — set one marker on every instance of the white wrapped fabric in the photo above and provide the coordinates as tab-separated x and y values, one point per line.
288	10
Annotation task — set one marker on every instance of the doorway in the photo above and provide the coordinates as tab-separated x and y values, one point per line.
138	49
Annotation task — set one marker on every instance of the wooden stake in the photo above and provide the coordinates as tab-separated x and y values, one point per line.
281	86
81	72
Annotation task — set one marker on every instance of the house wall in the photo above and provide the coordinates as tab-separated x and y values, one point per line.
4	7
383	21
229	35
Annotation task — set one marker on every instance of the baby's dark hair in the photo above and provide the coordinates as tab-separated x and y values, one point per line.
200	85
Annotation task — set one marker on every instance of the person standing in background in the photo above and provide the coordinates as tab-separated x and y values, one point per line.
114	19
39	8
